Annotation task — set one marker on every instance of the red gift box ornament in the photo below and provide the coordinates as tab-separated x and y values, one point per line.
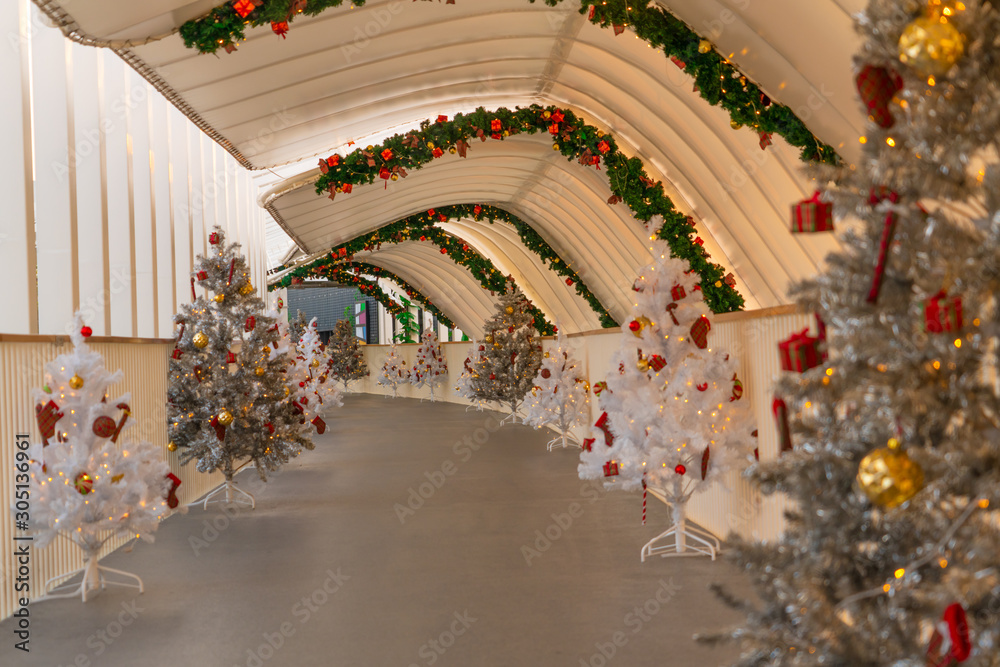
250	323
656	362
230	358
496	125
942	313
213	238
677	292
812	215
175	481
280	28
203	275
244	7
780	410
950	643
876	87
699	332
610	468
588	444
800	352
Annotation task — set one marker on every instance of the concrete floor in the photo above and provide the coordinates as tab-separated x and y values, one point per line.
331	571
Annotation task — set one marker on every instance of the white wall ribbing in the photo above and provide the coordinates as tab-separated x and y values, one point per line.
109	190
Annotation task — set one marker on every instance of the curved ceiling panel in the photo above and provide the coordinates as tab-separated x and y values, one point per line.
365	73
449	286
545	288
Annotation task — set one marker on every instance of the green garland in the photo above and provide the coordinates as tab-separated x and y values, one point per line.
223	27
415	226
718	82
716	79
480	267
341	273
574	139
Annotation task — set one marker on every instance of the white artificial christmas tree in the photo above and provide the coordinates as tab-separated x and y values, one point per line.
464	385
560	397
313	393
394	371
430	368
87	483
673	420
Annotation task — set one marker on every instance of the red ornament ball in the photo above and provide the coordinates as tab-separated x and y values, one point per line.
104	427
86	331
546	373
482	348
634	326
493	376
302	384
84	483
680	469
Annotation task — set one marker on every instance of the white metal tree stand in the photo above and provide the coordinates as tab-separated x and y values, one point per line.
513	416
234	496
681	539
95	577
563	439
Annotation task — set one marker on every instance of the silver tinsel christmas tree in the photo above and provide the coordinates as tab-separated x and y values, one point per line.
346	362
512	354
227	405
891	553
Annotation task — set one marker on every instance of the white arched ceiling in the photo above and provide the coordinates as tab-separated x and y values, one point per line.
449	286
603	243
363	73
548	290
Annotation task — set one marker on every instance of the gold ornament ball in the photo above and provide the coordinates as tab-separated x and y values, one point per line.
76	382
200	340
488	339
931	46
171	446
430	144
889	477
286	391
642	365
510	310
546	355
225	417
395	177
704	46
246	290
315	363
555	147
452	150
735	124
259	371
220	297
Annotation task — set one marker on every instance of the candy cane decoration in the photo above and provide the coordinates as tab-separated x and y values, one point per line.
126	412
194	297
644	499
883	252
180	334
232	265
